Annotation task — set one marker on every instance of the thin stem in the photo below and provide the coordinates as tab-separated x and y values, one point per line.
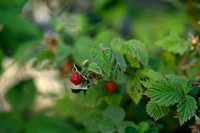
193	16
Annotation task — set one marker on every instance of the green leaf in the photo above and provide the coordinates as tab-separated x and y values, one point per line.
131	130
173	43
62	52
148	77
114	114
97	57
106	126
109	55
163	93
14	6
22	95
112	120
95	68
27	51
112	117
143	127
94	96
156	111
17	23
67	108
120	61
113	98
133	61
136	49
44	55
84	62
186	108
75	24
180	82
116	61
41	123
153	130
105	36
10	123
134	90
116	43
81	49
168	92
124	125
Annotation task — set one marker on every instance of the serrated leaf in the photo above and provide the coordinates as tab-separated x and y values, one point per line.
97	57
170	91
109	55
173	43
180	82
131	51
137	50
164	93
133	61
114	113
116	72
95	68
148	77
186	108
120	61
112	120
156	111
112	117
116	43
106	126
134	89
116	61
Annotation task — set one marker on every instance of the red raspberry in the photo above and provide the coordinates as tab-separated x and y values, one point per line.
197	126
67	67
110	86
76	78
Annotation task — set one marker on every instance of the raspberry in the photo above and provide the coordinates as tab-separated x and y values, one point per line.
197	126
110	86
76	78
67	67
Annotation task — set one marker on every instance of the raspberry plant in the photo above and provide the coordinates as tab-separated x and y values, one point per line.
121	66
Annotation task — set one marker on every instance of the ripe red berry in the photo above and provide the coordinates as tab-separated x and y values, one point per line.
67	67
197	125
76	78
110	86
